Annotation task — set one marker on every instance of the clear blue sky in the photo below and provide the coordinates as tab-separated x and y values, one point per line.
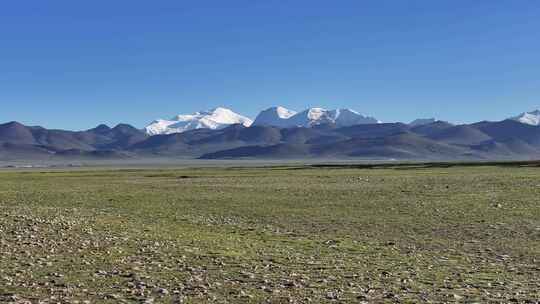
75	64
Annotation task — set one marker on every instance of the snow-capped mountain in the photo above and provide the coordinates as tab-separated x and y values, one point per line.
217	118
281	117
529	118
275	116
348	117
422	121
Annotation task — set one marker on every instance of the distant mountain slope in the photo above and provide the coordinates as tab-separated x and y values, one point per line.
166	144
511	148
460	135
398	145
242	134
422	121
373	130
305	135
24	142
16	133
279	151
510	129
12	151
432	128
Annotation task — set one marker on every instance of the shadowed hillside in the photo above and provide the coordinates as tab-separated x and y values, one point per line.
505	140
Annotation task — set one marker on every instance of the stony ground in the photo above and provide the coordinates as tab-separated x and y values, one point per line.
276	235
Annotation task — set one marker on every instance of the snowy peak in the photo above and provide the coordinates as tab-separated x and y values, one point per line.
529	118
317	114
283	112
280	117
214	119
348	117
283	118
275	116
312	117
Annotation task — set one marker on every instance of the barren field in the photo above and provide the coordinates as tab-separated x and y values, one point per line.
276	235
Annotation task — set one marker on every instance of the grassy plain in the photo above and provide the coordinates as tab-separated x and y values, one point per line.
277	235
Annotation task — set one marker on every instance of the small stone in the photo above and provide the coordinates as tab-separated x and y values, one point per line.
331	295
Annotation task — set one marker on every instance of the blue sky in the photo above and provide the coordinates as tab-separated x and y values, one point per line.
75	64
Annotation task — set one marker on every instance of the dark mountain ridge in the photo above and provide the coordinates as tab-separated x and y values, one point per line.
434	141
19	141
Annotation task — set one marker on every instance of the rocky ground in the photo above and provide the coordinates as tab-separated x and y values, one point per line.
279	235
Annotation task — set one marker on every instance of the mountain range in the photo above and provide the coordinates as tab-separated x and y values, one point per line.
284	118
280	133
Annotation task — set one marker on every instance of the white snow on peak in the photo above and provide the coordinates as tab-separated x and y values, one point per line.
280	117
529	118
315	114
284	113
217	118
311	117
275	116
348	117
